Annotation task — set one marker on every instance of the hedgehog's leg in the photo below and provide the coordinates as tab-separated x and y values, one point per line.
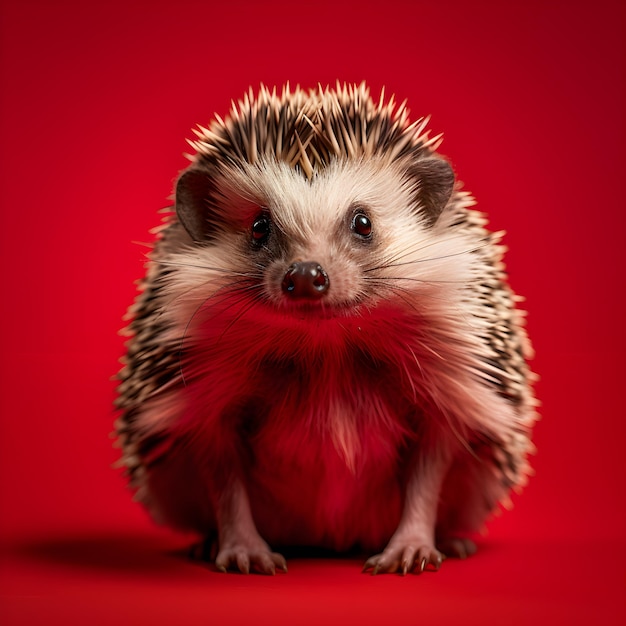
186	493
476	482
412	546
239	544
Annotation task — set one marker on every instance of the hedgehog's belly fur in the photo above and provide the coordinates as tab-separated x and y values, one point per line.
324	472
321	502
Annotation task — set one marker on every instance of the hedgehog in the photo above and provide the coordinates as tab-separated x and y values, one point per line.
325	352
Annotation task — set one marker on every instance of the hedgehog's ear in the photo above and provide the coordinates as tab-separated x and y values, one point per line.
435	185
193	190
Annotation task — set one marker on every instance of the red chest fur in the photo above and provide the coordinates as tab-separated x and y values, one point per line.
322	435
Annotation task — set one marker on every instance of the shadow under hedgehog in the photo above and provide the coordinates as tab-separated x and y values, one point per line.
325	350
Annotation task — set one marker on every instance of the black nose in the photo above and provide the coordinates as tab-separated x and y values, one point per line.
305	279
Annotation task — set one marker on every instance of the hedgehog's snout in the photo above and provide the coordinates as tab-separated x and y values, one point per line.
305	279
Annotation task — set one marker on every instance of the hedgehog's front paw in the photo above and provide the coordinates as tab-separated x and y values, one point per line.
405	556
248	555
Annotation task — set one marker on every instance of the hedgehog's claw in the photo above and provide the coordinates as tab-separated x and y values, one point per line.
404	559
245	560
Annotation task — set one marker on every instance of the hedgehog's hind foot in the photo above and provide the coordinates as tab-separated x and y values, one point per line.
456	547
204	550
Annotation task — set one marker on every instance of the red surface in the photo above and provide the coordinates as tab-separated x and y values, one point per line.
95	104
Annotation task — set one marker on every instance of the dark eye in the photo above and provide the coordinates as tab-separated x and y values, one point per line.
362	226
260	230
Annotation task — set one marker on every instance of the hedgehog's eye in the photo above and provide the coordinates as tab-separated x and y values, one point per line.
361	225
260	230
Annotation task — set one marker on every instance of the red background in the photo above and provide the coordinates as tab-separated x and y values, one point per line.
96	102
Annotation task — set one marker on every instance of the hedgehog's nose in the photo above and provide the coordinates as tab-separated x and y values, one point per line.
305	279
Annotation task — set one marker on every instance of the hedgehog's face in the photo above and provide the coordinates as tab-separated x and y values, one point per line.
330	243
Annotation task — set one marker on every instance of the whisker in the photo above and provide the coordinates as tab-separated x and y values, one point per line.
418	280
223	292
251	304
395	260
400	292
241	295
403	292
182	340
182	295
208	268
